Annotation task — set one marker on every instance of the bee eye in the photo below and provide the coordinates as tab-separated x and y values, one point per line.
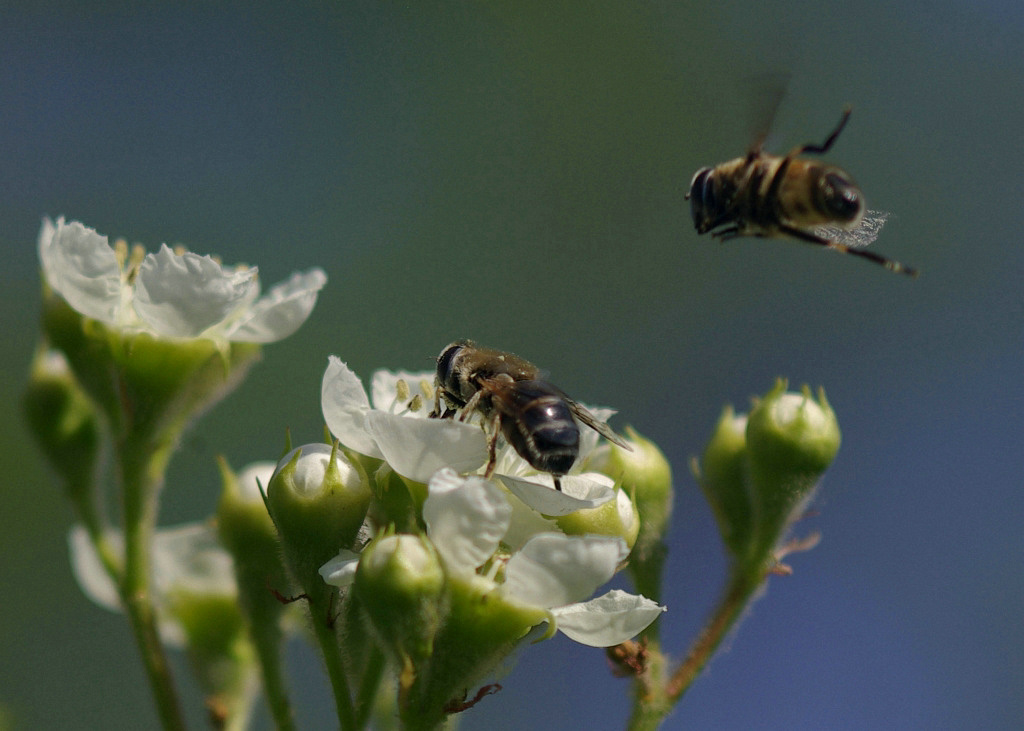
444	363
702	199
840	197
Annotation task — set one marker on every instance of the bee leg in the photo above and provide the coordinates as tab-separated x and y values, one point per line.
772	196
827	144
809	238
492	446
725	234
558	482
437	401
471	405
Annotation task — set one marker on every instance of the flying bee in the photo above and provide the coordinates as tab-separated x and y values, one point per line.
534	416
772	197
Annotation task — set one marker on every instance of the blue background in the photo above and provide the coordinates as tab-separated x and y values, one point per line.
515	172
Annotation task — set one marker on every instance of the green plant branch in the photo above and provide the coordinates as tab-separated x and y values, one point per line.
323	628
142	466
741	589
372	676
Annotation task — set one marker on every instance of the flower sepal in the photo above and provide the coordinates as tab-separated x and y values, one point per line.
145	383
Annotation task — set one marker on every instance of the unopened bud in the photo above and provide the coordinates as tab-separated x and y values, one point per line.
791	440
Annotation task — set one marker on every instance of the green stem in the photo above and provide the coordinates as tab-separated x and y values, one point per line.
654	699
323	628
86	504
268	647
741	589
368	689
142	472
650	704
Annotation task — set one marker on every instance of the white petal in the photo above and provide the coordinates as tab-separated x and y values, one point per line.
553	569
417	448
345	405
92	578
81	266
383	388
190	558
182	295
340	571
466	518
578	492
526	523
607	620
280	311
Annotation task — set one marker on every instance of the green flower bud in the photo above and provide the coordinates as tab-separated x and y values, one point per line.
247	532
399	583
616	517
722	475
645	474
317	499
64	423
480	630
791	440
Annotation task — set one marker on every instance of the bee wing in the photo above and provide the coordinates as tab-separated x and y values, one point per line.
588	419
865	232
763	94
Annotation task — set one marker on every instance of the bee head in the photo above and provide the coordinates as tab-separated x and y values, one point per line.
447	373
838	196
703	204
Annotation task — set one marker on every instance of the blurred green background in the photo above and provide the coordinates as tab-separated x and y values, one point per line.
514	172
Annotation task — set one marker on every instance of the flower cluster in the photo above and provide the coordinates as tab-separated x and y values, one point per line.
452	590
424	550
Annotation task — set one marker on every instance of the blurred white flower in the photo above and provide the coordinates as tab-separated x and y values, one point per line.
170	294
253	480
188	561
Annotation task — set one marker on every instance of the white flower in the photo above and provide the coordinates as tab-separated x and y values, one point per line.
187	560
467	518
169	294
416	447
